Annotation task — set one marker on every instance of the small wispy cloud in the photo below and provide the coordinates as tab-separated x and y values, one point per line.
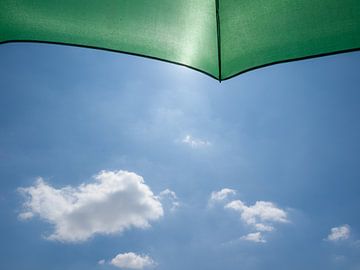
169	197
339	233
195	142
221	195
254	237
26	215
261	216
339	258
101	262
132	260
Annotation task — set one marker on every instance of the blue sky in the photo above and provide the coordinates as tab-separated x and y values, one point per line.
110	161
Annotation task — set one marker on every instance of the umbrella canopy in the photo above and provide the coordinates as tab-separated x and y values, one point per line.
221	38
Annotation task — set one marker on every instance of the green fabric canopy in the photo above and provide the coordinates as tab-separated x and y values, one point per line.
220	38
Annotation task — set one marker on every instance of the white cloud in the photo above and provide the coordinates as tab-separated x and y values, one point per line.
254	237
101	262
259	215
339	233
168	192
262	215
132	261
114	202
221	195
170	198
195	142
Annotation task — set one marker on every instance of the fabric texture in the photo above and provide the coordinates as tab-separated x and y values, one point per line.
221	38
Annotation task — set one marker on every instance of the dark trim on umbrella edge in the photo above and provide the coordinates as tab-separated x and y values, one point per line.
109	50
293	60
184	65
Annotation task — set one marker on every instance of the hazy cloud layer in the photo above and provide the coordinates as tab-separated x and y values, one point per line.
132	261
115	201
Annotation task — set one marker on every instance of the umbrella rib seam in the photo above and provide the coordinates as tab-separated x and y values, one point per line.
218	37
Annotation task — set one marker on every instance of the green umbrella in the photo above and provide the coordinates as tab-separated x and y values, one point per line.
221	38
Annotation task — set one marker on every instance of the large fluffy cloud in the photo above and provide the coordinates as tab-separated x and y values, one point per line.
115	201
132	261
339	233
